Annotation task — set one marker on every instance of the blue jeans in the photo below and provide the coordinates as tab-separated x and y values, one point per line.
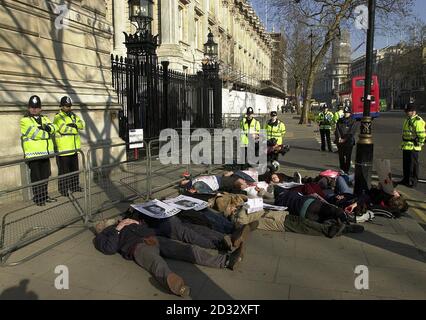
342	185
218	221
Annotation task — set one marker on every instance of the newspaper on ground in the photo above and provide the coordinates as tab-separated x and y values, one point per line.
186	203
274	208
254	205
156	209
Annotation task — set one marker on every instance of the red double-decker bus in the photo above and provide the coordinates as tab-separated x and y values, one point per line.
352	92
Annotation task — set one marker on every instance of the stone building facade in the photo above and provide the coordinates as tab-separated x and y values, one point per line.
53	48
62	47
245	48
335	72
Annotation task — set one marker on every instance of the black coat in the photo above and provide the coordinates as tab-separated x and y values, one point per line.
345	129
110	241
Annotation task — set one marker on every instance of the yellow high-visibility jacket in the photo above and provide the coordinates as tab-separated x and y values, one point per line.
413	134
68	138
35	140
254	128
276	131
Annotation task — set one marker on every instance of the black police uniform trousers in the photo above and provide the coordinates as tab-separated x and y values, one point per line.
244	151
67	164
410	164
345	156
325	135
39	170
151	258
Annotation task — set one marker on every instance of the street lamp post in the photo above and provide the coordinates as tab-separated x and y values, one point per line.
211	77
142	43
365	146
141	49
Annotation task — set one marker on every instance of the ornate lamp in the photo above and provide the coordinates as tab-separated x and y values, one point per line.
142	42
210	48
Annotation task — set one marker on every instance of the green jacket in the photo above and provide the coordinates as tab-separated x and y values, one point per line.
68	138
326	120
276	131
246	130
36	141
413	134
338	115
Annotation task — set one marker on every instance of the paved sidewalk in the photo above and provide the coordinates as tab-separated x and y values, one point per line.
276	265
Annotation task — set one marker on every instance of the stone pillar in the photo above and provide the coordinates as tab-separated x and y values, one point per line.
119	20
169	21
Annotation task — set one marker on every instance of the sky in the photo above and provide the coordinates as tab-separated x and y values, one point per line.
357	36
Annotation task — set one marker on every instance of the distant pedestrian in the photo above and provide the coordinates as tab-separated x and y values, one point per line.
36	139
345	139
68	140
413	139
325	122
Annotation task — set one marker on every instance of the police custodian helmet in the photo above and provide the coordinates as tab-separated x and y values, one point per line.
347	109
410	107
34	102
66	101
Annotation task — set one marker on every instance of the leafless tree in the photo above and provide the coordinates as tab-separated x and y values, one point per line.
326	18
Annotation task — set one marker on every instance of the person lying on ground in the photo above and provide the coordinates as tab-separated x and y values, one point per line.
134	240
311	208
232	208
196	234
208	184
376	198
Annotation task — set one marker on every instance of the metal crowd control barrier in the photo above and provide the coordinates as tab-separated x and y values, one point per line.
115	179
108	179
164	176
25	220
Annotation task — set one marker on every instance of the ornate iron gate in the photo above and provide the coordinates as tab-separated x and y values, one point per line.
156	98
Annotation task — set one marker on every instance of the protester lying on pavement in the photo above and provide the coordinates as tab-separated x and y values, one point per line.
313	209
196	234
376	198
134	240
231	206
208	184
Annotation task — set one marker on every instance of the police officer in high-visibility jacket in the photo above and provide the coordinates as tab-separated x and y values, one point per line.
67	142
36	138
249	126
275	129
339	114
413	139
325	120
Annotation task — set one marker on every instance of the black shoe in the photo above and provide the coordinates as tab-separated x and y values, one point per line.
40	203
51	200
353	228
336	230
235	258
